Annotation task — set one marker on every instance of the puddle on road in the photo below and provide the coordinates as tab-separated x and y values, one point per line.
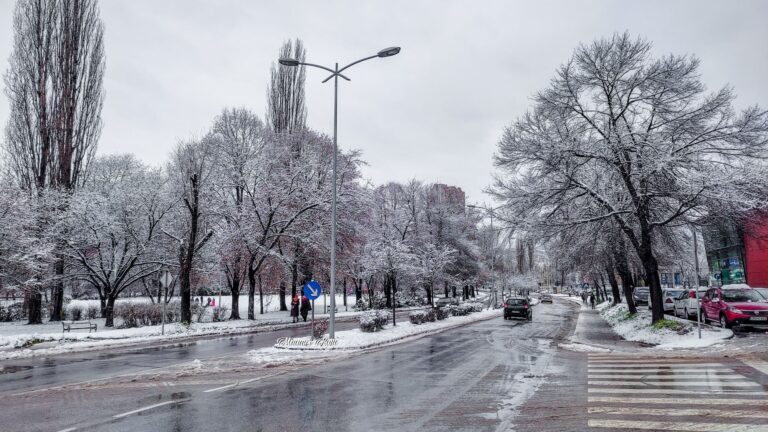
12	368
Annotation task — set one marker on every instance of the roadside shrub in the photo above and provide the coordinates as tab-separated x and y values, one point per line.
75	313
379	301
461	310
135	314
321	327
91	312
417	317
219	313
374	320
441	313
475	306
12	312
430	315
360	305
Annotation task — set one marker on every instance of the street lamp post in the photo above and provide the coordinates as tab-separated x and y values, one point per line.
335	74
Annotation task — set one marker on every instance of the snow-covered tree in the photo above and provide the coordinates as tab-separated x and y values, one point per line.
624	136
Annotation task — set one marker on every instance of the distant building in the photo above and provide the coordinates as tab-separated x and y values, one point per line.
735	256
443	194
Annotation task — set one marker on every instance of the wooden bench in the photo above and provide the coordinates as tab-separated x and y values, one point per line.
70	325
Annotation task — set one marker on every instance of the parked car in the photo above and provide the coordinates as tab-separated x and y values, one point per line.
446	301
688	302
545	298
668	296
763	292
518	307
735	306
642	295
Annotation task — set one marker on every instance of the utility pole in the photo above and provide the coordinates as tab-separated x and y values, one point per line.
696	280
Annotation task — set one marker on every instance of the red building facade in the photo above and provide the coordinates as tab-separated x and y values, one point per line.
756	255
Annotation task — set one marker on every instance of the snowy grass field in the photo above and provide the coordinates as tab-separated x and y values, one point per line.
17	339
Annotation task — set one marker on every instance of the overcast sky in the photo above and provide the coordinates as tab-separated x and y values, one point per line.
435	112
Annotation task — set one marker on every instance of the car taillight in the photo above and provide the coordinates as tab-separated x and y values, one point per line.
669	300
525	307
505	305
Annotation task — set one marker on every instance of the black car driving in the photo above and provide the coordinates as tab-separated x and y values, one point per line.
518	307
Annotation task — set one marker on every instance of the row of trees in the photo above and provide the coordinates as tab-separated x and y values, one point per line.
246	202
622	154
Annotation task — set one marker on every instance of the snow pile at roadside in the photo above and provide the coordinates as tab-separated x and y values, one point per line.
580	347
356	339
674	333
574	299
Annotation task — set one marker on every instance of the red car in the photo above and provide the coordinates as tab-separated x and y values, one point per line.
735	306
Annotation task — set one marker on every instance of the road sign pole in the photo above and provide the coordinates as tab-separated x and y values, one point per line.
313	319
163	300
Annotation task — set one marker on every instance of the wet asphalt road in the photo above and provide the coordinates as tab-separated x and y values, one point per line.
471	378
40	373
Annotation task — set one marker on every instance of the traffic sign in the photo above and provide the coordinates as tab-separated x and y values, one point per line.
312	290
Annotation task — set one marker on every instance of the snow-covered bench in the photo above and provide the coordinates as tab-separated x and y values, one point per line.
70	325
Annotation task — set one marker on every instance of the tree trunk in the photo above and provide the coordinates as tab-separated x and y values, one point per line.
388	291
109	311
445	286
358	290
651	268
614	284
251	292
57	294
428	289
261	297
235	291
281	296
35	311
344	285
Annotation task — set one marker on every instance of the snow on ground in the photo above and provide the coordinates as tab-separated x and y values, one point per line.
358	340
580	347
574	299
638	328
19	340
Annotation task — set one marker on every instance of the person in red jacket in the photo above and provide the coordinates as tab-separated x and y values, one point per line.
295	308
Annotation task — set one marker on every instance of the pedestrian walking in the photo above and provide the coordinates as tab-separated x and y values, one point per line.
592	300
305	307
295	308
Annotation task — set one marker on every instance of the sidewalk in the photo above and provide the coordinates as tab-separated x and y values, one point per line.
594	334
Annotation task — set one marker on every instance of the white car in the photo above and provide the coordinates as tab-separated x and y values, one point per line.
668	296
687	302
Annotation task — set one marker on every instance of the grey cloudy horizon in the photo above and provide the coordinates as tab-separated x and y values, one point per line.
434	112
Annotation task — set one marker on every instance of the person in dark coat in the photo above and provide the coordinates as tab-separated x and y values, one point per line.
592	300
305	307
295	309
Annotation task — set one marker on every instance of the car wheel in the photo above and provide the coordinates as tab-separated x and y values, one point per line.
724	322
687	314
530	317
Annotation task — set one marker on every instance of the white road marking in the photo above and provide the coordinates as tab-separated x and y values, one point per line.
657	383
641	363
68	429
678	401
674	391
702	412
235	384
658	377
678	426
642	370
147	408
759	365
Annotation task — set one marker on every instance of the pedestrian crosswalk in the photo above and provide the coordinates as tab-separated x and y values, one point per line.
635	394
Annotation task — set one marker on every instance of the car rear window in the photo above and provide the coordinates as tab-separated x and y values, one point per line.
516	302
675	293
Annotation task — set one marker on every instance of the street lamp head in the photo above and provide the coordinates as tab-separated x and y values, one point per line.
288	62
389	52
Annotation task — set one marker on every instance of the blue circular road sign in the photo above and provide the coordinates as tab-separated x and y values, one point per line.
312	290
